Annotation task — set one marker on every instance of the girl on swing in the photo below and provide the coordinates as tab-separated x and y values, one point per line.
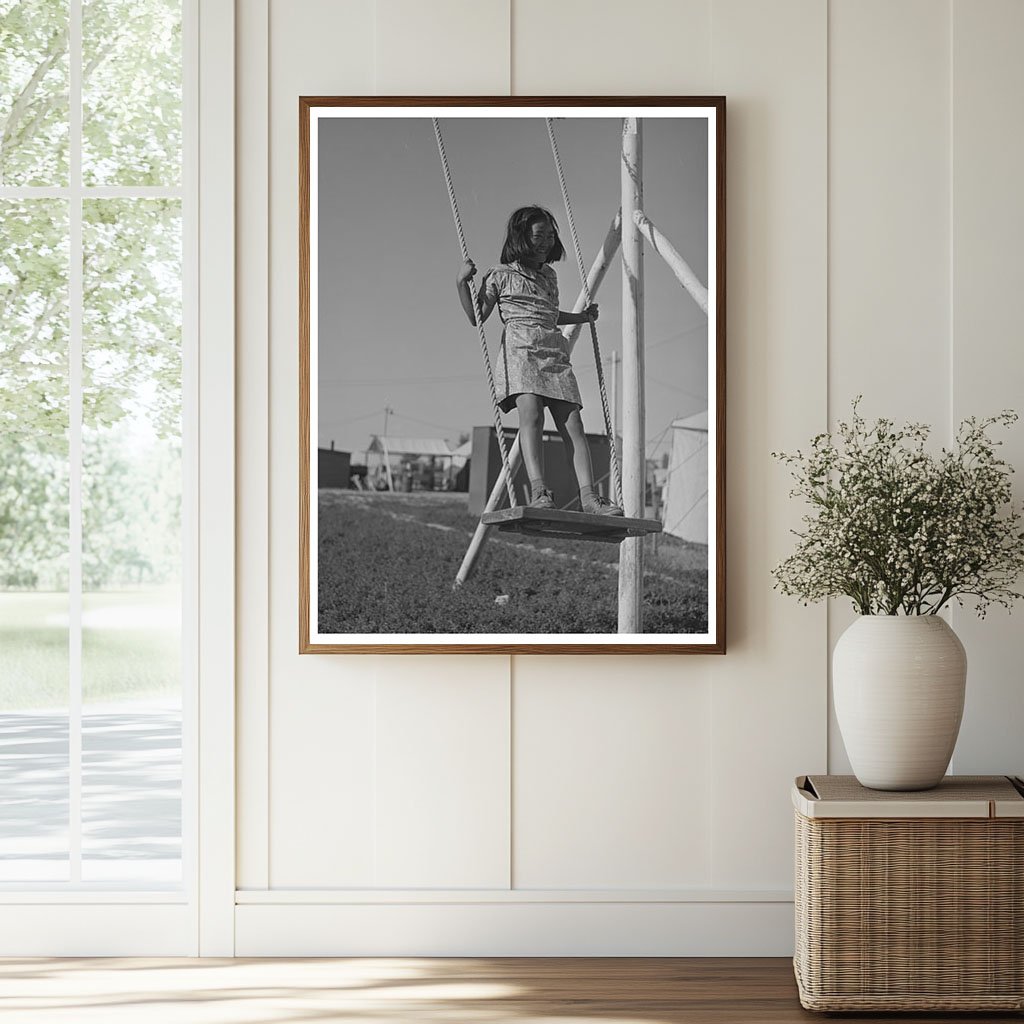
533	368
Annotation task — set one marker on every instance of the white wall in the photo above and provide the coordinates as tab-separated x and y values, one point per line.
626	805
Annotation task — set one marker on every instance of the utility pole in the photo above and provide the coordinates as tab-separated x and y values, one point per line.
384	445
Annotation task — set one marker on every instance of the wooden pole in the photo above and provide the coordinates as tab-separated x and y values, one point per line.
594	279
631	552
668	252
481	533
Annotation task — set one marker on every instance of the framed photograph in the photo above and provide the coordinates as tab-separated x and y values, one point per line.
512	375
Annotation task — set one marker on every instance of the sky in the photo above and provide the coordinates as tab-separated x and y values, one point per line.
392	333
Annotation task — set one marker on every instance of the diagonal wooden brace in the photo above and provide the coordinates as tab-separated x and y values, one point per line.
667	251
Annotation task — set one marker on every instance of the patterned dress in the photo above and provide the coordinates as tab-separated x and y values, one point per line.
533	357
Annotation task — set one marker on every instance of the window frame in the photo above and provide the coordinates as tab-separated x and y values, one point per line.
69	918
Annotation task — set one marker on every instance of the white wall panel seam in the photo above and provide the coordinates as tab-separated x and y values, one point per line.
511	663
709	824
828	341
266	828
511	89
711	53
950	127
950	339
374	782
510	713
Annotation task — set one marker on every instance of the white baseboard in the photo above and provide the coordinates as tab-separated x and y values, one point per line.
99	928
514	928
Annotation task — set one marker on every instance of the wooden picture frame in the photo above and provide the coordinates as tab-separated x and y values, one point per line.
392	192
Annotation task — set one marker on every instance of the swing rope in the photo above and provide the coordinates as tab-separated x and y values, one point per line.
498	427
608	427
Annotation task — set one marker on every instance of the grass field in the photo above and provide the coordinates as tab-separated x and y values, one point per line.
130	647
387	563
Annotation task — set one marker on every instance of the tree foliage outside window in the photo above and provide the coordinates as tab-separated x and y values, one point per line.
131	92
131	303
34	78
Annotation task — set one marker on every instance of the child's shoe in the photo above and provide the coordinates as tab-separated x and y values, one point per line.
596	505
543	499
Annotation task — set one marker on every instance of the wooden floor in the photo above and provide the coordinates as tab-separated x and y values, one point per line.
382	991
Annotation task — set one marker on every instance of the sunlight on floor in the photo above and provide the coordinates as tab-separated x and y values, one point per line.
219	991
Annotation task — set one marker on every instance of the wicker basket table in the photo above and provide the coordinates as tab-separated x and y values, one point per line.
910	901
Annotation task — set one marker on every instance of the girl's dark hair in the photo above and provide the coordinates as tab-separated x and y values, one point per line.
517	240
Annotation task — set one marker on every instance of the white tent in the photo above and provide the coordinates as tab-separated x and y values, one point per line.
686	486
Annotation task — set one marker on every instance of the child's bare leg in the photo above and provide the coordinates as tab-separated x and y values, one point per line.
569	424
531	430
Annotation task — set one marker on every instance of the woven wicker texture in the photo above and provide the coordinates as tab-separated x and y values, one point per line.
959	787
912	914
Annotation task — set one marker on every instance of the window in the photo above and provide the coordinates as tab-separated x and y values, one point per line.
95	463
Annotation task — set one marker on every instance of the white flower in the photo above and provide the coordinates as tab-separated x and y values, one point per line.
898	529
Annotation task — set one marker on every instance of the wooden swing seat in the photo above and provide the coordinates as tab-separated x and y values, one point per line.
557	523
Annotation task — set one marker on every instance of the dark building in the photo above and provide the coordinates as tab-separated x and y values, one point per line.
485	464
333	468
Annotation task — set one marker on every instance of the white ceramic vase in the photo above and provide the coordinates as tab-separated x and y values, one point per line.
898	684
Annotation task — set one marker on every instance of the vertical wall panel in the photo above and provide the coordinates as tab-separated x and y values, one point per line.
889	209
612	783
442	774
610	755
215	534
578	47
252	185
323	768
988	368
888	225
321	709
443	723
769	692
327	828
445	47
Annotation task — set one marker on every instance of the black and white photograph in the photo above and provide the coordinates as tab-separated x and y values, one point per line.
512	374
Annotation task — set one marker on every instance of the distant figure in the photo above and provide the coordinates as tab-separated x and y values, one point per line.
533	368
